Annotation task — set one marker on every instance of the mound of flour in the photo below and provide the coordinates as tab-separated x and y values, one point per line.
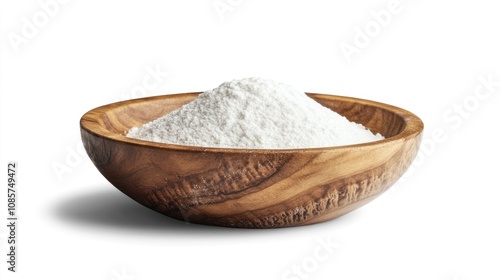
254	113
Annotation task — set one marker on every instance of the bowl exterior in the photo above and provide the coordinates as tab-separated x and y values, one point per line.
251	190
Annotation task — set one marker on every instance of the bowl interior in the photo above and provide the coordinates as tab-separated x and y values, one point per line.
116	119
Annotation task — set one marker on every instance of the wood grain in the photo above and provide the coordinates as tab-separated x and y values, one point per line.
250	188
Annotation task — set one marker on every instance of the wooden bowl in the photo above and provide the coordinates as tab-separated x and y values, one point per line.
244	187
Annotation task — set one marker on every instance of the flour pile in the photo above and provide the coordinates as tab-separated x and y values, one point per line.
254	113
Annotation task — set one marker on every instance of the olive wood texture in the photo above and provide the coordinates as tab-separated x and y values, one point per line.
250	188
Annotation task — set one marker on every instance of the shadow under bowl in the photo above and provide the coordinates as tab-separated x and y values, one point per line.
250	188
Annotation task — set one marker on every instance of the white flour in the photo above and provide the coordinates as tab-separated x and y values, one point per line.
254	113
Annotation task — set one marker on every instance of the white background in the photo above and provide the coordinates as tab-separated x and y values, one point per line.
440	222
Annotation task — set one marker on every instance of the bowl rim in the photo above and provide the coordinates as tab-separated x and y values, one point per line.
89	122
